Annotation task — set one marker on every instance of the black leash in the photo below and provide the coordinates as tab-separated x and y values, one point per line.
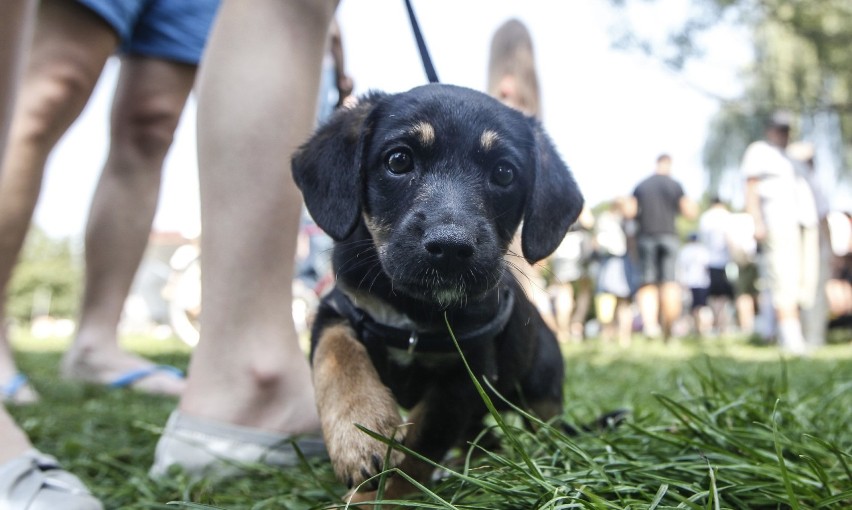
421	45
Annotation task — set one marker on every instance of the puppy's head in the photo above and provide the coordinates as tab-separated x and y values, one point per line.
442	177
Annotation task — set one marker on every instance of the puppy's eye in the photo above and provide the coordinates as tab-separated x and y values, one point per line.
399	161
503	174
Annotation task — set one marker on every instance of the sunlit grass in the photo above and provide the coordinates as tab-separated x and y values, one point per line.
714	424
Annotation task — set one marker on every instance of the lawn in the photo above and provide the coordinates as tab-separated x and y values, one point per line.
714	424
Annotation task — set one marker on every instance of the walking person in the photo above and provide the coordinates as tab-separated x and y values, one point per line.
782	215
714	227
615	279
816	244
693	273
655	204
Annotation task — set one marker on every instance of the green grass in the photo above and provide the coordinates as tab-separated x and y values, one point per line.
714	424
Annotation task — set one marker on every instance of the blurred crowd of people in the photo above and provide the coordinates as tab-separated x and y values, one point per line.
659	264
721	274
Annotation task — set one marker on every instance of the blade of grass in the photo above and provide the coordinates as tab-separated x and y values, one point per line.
422	488
841	497
408	451
840	454
658	496
490	405
794	502
714	492
546	427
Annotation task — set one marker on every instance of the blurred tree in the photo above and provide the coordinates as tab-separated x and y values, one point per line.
47	278
802	63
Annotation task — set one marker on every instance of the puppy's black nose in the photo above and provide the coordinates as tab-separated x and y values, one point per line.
447	247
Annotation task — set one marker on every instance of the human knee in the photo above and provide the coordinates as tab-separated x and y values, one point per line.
671	292
146	129
51	100
606	305
315	9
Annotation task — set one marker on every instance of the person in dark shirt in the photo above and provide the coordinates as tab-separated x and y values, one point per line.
656	203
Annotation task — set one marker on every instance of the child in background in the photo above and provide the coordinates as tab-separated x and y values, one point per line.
693	273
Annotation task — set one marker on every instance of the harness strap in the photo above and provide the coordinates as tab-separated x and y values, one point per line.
368	330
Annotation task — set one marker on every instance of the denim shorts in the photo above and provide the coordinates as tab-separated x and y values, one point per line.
657	257
174	30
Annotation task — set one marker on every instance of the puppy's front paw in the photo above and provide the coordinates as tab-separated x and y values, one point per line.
354	454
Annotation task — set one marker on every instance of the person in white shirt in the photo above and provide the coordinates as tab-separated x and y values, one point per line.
743	251
774	200
693	273
615	283
714	227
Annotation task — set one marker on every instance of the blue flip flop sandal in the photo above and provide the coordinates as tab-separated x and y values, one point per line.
127	379
9	390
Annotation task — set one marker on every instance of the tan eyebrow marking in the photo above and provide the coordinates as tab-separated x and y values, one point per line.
488	139
424	132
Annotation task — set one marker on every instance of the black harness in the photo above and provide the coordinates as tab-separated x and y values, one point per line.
370	332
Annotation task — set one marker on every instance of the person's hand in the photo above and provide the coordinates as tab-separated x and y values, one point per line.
345	86
759	231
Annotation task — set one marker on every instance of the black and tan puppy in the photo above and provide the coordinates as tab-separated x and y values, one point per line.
423	192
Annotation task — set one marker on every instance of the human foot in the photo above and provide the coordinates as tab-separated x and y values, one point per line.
14	386
261	414
117	368
17	390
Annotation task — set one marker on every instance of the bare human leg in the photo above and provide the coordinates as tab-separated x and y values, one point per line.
250	213
258	86
648	299
671	306
15	27
68	53
745	313
148	103
26	475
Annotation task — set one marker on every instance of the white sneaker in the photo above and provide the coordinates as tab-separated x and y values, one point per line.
214	449
35	481
790	338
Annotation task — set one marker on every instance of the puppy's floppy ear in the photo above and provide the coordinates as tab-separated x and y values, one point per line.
553	203
328	169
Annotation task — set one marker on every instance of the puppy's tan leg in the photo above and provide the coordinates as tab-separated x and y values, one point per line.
349	391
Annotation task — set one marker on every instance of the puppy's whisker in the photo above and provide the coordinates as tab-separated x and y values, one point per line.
514	275
376	277
358	259
355	243
374	268
547	273
348	266
512	253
